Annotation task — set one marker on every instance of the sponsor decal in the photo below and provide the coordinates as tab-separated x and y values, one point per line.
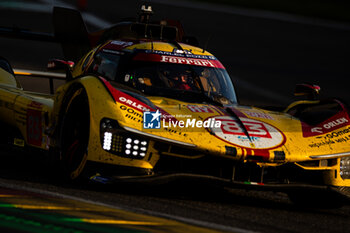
125	99
131	113
199	108
180	52
115	47
176	52
118	45
178	60
245	138
340	136
187	61
112	51
261	134
258	115
133	103
176	132
121	43
336	122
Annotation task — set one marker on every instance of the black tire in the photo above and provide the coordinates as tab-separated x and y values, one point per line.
74	135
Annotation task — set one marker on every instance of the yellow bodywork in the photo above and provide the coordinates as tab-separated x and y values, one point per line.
284	133
27	111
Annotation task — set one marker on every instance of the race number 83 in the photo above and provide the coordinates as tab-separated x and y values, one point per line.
263	135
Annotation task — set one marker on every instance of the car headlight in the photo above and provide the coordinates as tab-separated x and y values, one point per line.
119	142
135	147
345	168
107	141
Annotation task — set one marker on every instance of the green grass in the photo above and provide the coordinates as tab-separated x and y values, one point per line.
326	9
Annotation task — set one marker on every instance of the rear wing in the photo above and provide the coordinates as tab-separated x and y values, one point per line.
69	30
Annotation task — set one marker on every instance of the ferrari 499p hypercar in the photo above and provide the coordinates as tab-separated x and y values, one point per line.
140	102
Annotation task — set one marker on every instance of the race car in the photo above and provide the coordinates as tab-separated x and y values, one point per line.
141	104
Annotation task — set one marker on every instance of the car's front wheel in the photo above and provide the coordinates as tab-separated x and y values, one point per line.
74	134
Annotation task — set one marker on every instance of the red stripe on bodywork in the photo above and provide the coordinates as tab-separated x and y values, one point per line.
339	120
259	154
126	99
134	103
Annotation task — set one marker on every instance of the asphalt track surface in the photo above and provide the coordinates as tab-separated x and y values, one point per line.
265	57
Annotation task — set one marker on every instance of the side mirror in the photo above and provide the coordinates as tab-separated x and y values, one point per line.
57	64
309	91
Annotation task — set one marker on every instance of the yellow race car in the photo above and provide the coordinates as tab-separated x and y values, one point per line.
141	104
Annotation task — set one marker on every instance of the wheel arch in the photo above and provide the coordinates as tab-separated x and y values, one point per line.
73	133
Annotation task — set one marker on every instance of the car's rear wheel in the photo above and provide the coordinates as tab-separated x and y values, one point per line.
74	135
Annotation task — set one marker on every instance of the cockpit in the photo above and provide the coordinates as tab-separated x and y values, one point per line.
190	79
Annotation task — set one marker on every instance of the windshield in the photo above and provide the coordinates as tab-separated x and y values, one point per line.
166	79
185	82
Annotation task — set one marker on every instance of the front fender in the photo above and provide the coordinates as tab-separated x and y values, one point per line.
102	105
